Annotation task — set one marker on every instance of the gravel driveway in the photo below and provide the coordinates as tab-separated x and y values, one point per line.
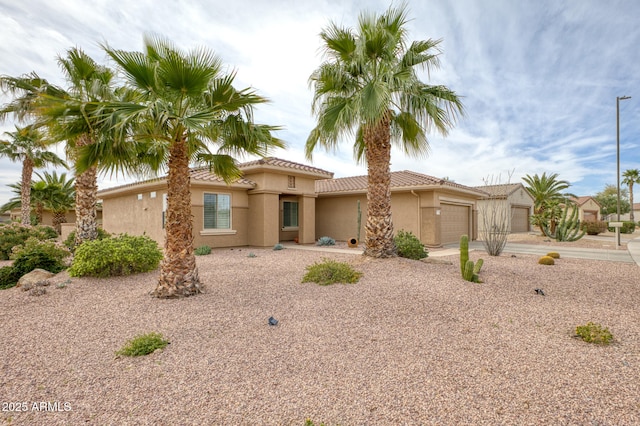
410	343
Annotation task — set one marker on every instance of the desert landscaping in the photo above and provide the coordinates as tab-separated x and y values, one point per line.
409	343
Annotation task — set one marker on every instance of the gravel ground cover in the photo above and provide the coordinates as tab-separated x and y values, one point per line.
410	343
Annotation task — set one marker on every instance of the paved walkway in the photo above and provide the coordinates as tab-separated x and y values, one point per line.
630	255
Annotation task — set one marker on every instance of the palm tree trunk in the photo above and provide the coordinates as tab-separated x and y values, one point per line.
25	192
631	218
86	199
379	226
58	219
178	271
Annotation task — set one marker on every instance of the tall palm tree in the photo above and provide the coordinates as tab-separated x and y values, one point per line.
27	145
72	117
631	177
546	191
369	87
25	92
59	196
185	105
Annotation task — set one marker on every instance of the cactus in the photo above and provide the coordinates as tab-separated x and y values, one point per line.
546	260
566	229
468	268
359	221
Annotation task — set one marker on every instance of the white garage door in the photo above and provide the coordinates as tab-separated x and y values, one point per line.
519	219
454	223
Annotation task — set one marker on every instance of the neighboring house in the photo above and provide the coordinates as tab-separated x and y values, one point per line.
437	211
273	202
588	209
5	217
513	198
627	216
279	200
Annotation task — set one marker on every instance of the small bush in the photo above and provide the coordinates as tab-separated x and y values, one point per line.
47	255
143	344
9	277
331	272
546	260
409	246
278	247
70	242
627	227
326	241
15	234
554	254
252	254
594	333
121	255
202	250
594	227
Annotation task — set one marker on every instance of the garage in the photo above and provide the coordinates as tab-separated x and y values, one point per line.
519	219
455	221
590	215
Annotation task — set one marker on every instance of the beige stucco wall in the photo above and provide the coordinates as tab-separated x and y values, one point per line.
128	213
417	212
589	205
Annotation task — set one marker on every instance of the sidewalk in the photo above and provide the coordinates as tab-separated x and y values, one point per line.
631	255
633	246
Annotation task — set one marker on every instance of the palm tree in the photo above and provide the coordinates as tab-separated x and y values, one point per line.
59	196
27	145
547	193
368	87
631	176
184	104
72	117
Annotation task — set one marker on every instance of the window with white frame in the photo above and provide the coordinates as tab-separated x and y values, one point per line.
289	214
217	211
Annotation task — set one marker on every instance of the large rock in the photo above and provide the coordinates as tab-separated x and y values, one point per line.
34	277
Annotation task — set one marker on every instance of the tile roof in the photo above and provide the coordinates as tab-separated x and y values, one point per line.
399	180
501	190
204	174
581	200
278	162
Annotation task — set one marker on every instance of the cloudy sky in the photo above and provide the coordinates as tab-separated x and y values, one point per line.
539	79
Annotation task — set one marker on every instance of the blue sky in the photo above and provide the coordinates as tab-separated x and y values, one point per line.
539	79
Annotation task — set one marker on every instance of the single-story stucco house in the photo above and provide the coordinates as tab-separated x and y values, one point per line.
278	200
513	199
588	208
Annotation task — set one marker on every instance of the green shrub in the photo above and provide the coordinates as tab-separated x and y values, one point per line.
326	241
120	255
594	333
202	250
554	254
143	344
15	234
9	277
594	227
278	247
409	246
331	272
546	260
70	242
47	255
627	227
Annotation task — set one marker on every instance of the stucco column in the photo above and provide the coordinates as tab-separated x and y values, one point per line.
307	219
264	210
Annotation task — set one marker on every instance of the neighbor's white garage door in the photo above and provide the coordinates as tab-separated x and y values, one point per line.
519	219
454	223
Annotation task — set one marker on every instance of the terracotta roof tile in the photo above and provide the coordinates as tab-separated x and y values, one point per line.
500	190
203	174
401	179
278	162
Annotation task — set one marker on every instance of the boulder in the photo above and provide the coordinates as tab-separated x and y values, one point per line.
34	277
